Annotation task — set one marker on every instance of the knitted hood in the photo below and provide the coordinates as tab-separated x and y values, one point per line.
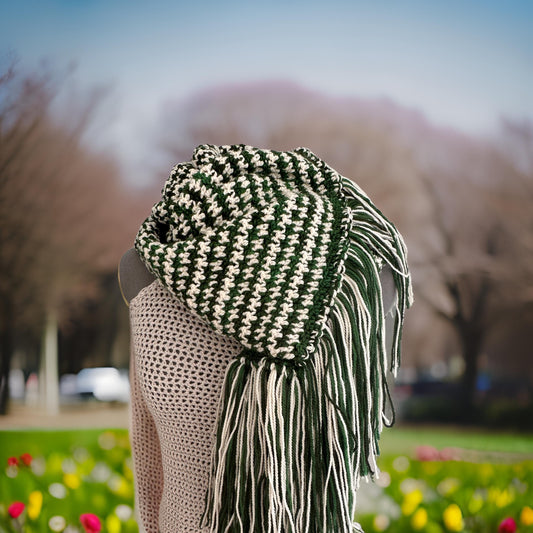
282	253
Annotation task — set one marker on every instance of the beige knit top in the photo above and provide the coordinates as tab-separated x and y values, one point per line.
176	373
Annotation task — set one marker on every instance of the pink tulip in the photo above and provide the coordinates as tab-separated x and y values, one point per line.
449	454
15	509
427	453
508	525
91	523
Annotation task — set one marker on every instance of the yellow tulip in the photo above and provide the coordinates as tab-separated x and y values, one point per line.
526	516
506	497
72	481
128	472
120	486
419	519
411	502
35	503
500	497
453	518
113	524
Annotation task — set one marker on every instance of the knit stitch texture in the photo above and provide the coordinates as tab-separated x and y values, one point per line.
176	375
253	241
281	253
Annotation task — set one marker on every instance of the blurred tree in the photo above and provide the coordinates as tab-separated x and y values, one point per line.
61	210
458	265
475	270
352	137
448	193
513	202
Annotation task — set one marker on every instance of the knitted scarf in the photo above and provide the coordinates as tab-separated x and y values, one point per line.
281	252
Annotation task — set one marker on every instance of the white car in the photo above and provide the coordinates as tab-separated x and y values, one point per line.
107	384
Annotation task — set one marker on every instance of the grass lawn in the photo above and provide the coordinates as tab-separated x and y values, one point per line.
43	442
394	441
403	440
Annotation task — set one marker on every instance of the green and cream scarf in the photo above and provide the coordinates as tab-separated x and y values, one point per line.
282	253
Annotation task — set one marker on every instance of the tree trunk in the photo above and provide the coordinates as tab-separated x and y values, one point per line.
49	366
471	344
6	352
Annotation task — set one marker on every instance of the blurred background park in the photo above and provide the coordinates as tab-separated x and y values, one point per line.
427	106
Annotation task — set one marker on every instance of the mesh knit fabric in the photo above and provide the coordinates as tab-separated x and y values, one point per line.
177	371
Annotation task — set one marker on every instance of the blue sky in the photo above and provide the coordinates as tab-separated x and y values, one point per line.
463	63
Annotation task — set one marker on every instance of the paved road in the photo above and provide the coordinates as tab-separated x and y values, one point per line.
82	415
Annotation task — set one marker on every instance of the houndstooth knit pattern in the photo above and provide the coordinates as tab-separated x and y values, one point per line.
253	241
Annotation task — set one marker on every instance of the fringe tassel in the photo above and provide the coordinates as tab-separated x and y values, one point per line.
295	439
280	463
266	453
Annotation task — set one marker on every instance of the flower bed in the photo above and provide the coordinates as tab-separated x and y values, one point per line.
438	492
82	482
81	488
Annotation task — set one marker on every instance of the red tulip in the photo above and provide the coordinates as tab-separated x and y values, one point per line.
91	523
26	458
508	525
15	509
12	461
